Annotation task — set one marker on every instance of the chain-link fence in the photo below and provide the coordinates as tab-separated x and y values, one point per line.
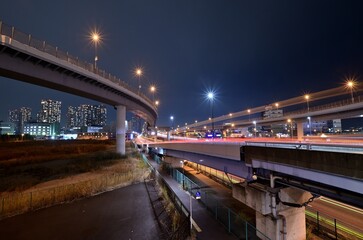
179	223
233	222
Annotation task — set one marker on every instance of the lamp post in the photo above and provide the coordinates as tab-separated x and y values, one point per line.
138	73
172	122
309	118
182	162
157	103
255	123
289	121
351	85
153	89
249	114
307	97
277	106
211	99
95	37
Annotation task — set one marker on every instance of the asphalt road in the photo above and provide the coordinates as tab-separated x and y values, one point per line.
125	213
344	213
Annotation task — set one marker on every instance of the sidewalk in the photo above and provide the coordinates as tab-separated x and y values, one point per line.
207	226
221	193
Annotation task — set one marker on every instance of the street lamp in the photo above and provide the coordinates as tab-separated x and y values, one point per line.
152	89
157	102
182	162
95	37
289	121
309	118
249	114
138	73
307	97
351	85
255	123
172	122
210	96
277	106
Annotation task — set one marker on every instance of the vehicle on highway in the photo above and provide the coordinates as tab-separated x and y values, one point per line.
213	134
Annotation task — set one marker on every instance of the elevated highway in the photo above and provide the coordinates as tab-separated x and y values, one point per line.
332	170
280	176
24	58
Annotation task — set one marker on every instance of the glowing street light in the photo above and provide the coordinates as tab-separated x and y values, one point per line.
249	114
309	118
289	121
138	73
96	38
255	123
172	122
153	89
307	97
156	103
210	97
351	85
277	106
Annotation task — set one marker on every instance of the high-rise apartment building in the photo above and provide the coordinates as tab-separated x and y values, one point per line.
86	115
18	117
50	111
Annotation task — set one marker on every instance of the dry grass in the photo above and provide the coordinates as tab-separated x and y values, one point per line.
37	184
23	153
25	164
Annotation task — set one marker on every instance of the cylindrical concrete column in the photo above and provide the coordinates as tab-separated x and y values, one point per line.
120	129
300	130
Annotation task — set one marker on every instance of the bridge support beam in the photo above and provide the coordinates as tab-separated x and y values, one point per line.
276	221
120	129
300	130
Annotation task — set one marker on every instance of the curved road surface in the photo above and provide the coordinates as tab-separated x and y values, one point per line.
125	213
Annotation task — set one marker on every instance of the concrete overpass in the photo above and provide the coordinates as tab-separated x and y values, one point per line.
331	109
27	59
286	172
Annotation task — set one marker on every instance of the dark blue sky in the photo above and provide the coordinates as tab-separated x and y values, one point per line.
251	53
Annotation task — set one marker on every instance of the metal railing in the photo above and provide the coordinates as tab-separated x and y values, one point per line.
340	103
331	226
45	47
232	221
183	230
346	148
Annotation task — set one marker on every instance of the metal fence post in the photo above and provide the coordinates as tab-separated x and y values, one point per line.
229	220
217	211
2	205
335	228
31	199
12	32
29	39
246	230
317	219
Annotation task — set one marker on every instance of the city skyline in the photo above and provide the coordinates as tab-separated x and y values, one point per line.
251	54
35	116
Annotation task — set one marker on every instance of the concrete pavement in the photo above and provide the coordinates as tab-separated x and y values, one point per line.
124	213
206	225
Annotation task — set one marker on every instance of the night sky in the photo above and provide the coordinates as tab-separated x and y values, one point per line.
251	53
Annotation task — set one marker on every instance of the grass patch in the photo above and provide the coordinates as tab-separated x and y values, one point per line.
41	161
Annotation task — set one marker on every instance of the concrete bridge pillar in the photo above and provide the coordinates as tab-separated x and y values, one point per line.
120	129
300	130
275	220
